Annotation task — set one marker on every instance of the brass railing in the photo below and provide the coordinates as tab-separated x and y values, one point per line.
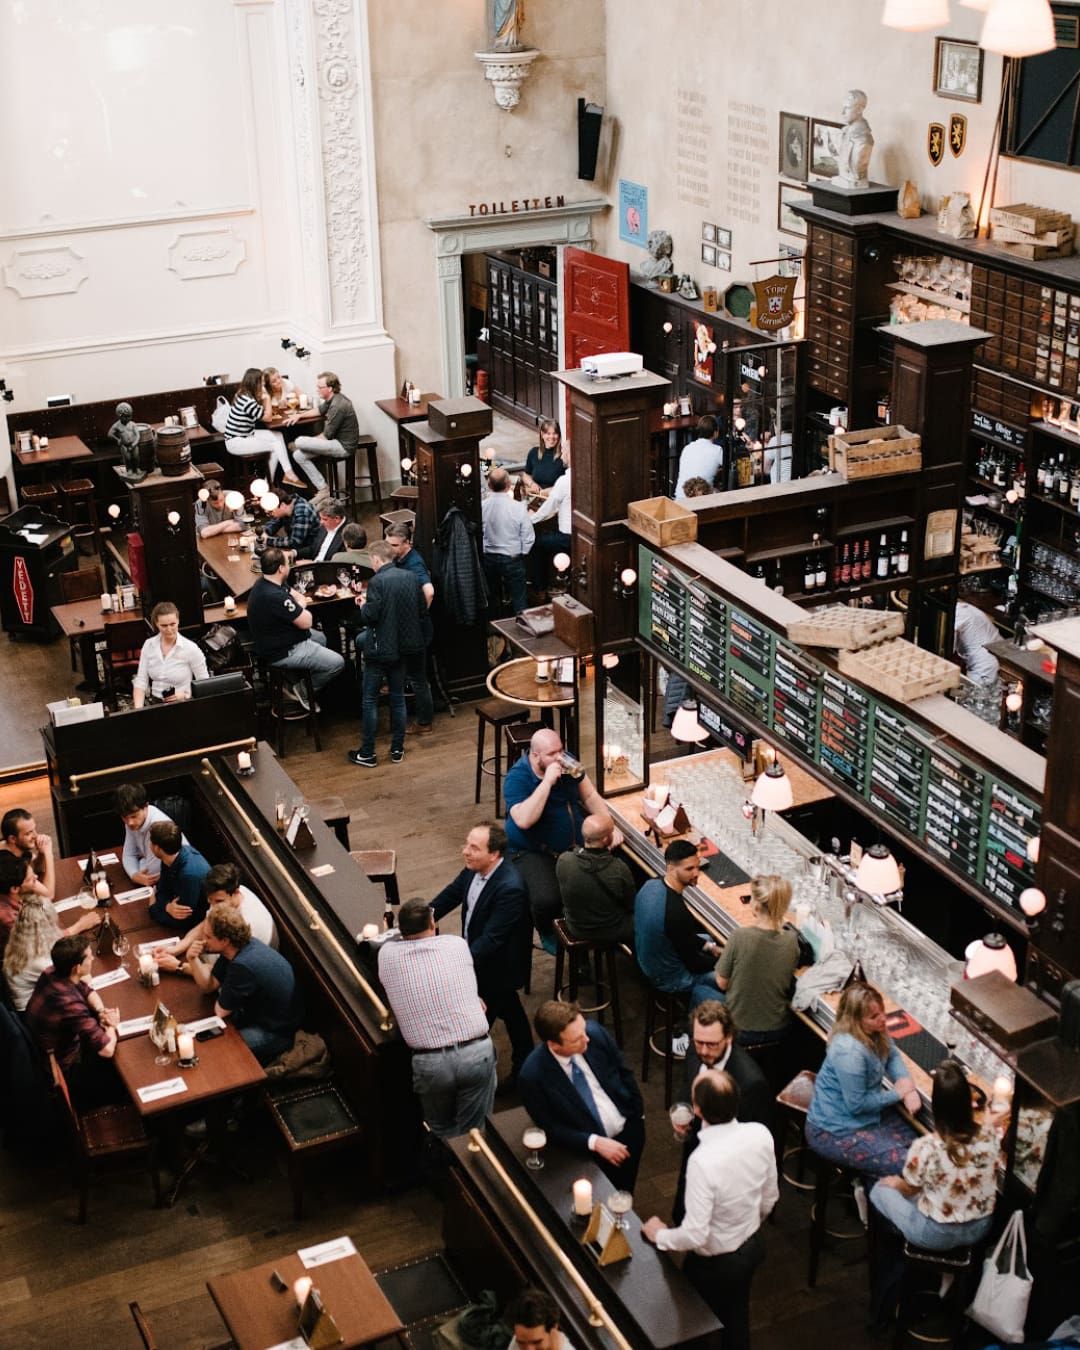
598	1314
315	924
76	780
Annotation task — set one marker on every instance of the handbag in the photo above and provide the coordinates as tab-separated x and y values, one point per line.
1001	1300
219	418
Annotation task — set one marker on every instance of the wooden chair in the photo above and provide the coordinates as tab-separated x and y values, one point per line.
149	1340
103	1133
380	865
85	584
314	1118
123	646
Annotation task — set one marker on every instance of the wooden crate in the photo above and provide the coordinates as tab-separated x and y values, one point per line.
841	628
662	521
1034	252
900	670
876	452
1030	219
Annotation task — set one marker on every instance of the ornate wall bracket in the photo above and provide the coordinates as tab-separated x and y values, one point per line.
507	71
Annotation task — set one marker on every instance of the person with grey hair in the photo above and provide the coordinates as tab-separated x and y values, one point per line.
328	542
340	436
508	537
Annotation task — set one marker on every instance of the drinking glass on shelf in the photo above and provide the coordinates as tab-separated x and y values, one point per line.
620	1203
121	946
535	1139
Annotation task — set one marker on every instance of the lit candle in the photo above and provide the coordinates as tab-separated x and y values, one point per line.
230	604
106	602
301	1288
582	1197
101	890
543	671
243	760
43	442
185	1045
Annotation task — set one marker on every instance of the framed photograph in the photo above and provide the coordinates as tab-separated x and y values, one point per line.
791	259
788	196
723	237
708	232
958	70
794	145
824	143
708	255
723	260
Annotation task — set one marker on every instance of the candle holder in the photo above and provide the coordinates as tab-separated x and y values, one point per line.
188	1063
244	767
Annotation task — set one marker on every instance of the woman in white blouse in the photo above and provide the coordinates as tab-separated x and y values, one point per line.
169	662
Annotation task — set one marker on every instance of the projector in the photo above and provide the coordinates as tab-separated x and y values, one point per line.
611	365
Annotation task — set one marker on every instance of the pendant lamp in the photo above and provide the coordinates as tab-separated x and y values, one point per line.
981	5
915	15
772	790
1018	28
685	726
878	873
989	953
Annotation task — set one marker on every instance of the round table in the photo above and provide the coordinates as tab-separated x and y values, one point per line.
515	682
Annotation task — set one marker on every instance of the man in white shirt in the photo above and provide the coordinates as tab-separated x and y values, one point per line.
327	541
730	1190
559	540
134	809
508	539
701	458
222	887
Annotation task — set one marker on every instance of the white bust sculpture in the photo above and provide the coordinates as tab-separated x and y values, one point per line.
856	142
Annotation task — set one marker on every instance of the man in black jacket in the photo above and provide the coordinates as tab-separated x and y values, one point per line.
497	925
392	620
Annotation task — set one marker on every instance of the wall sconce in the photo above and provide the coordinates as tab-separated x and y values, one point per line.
878	873
667	326
609	660
258	487
561	563
269	502
204	495
234	501
303	353
286	343
5	393
114	511
1032	901
406	471
173	519
463	477
625	582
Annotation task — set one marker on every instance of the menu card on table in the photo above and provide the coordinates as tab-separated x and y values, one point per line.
135	1026
205	1024
155	1091
129	897
116	976
104	859
72	902
160	944
334	1250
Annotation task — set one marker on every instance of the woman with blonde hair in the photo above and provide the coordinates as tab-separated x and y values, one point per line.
28	949
850	1121
757	967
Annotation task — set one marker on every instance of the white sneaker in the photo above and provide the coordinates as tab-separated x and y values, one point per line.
680	1045
861	1203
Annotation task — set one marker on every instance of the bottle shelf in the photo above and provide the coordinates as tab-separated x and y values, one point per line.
789	550
850	592
931	297
871	527
1064	507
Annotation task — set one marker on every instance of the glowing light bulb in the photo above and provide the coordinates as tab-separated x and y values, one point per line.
270	502
628	577
173	518
259	487
561	561
204	494
466	471
114	511
1032	901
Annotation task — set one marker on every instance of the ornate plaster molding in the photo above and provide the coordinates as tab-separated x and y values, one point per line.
507	71
206	253
31	272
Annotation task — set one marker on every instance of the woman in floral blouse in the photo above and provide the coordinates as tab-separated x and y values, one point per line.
945	1195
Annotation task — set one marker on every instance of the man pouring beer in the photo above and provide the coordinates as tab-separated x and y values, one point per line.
548	795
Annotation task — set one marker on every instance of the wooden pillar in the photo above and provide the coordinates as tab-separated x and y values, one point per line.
170	550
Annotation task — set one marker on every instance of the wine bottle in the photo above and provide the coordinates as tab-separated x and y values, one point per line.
1061	481
903	559
881	569
845	565
809	574
757	571
867	561
778	577
1074	489
894	558
821	577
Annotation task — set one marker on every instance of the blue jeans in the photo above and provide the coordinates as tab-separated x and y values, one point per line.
416	674
312	654
374	674
500	567
905	1215
306	448
456	1087
266	1045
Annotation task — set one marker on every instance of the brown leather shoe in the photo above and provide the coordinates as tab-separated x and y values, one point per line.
419	729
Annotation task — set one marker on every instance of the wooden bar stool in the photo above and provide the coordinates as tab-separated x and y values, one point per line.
497	714
79	508
404	497
920	1313
243	468
311	1118
670	1006
404	517
211	470
580	949
43	495
794	1103
276	679
380	865
334	814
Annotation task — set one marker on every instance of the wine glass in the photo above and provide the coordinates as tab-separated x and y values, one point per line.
121	946
534	1138
620	1203
162	1057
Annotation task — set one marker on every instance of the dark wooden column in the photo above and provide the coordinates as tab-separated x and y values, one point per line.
609	441
172	557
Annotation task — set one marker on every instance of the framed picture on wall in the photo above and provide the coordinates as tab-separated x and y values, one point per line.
708	255
723	260
723	237
788	196
958	70
708	232
824	143
794	145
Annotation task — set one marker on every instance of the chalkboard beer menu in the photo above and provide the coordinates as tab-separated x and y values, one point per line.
962	815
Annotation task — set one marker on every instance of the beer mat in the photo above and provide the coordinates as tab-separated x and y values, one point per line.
135	1026
104	859
129	897
155	1091
297	1343
205	1024
721	870
116	976
323	870
162	944
915	1041
334	1250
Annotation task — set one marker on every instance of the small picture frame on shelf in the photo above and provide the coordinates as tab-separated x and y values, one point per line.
958	69
794	145
708	232
824	149
788	195
708	255
723	238
723	260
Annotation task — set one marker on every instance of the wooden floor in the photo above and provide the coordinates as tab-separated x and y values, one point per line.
59	1281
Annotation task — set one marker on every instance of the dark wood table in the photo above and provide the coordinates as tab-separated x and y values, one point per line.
226	1066
259	1316
61	449
86	618
547	647
218	551
515	682
299	419
128	918
401	412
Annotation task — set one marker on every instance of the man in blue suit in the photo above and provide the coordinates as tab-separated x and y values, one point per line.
497	925
578	1088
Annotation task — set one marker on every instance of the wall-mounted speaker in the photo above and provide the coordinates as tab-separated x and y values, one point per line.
589	119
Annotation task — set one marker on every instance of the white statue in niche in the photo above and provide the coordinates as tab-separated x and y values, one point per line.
855	143
507	17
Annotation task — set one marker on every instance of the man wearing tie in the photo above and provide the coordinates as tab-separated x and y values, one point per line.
328	541
579	1089
496	923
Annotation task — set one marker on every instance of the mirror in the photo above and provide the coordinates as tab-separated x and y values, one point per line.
621	734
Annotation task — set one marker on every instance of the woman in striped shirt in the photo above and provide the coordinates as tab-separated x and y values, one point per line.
246	432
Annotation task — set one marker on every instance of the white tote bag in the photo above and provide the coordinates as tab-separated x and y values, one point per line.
219	418
1001	1300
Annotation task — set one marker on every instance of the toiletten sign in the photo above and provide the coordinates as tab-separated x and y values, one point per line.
775	299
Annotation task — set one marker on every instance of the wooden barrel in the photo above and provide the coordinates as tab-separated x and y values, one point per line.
173	451
146	446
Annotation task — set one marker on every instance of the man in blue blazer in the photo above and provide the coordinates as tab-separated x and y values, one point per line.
579	1089
497	925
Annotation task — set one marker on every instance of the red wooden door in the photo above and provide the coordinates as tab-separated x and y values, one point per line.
596	305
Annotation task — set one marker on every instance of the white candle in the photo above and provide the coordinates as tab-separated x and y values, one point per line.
106	602
301	1288
243	760
146	963
582	1197
185	1045
230	604
101	890
44	442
